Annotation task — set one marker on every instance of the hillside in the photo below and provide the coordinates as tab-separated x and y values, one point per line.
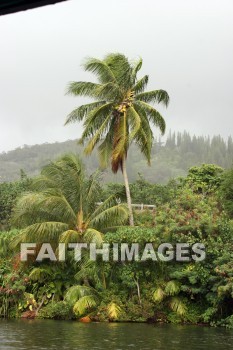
169	159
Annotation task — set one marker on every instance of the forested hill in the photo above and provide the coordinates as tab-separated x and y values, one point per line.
169	159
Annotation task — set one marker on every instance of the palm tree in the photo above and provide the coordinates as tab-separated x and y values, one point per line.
83	299
121	113
62	206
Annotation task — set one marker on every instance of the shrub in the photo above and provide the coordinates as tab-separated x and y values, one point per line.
57	310
226	192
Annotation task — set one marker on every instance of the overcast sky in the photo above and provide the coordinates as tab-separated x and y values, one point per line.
186	46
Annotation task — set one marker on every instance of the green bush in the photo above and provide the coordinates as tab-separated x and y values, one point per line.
204	179
139	313
226	192
57	310
8	195
5	239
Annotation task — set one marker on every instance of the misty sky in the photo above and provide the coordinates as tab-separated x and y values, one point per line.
186	46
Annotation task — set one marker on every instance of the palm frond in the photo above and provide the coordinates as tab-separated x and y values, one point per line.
153	115
113	311
172	288
95	121
74	293
93	187
70	236
90	268
81	112
121	68
159	295
25	207
43	206
104	152
109	91
39	274
106	146
113	216
85	304
57	206
134	121
156	96
68	174
100	68
93	236
144	141
144	137
41	233
178	306
136	69
41	183
83	88
57	171
97	136
141	84
109	202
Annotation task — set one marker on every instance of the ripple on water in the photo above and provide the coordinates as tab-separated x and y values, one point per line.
46	334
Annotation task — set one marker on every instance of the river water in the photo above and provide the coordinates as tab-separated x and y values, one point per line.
46	334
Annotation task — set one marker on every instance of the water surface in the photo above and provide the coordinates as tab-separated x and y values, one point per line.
49	334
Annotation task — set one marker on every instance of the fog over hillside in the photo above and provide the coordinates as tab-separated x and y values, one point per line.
170	159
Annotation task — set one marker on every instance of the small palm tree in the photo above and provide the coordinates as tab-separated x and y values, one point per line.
168	293
84	299
121	113
62	206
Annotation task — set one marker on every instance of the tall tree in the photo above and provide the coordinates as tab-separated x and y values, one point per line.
121	113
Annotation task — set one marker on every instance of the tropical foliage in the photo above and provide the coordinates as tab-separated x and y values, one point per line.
8	194
189	209
62	206
226	192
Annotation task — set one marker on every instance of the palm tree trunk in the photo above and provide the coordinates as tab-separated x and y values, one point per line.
127	190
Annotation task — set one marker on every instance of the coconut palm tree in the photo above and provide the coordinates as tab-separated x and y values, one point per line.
62	206
121	113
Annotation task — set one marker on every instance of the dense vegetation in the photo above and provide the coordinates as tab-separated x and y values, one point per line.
8	194
170	159
195	208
